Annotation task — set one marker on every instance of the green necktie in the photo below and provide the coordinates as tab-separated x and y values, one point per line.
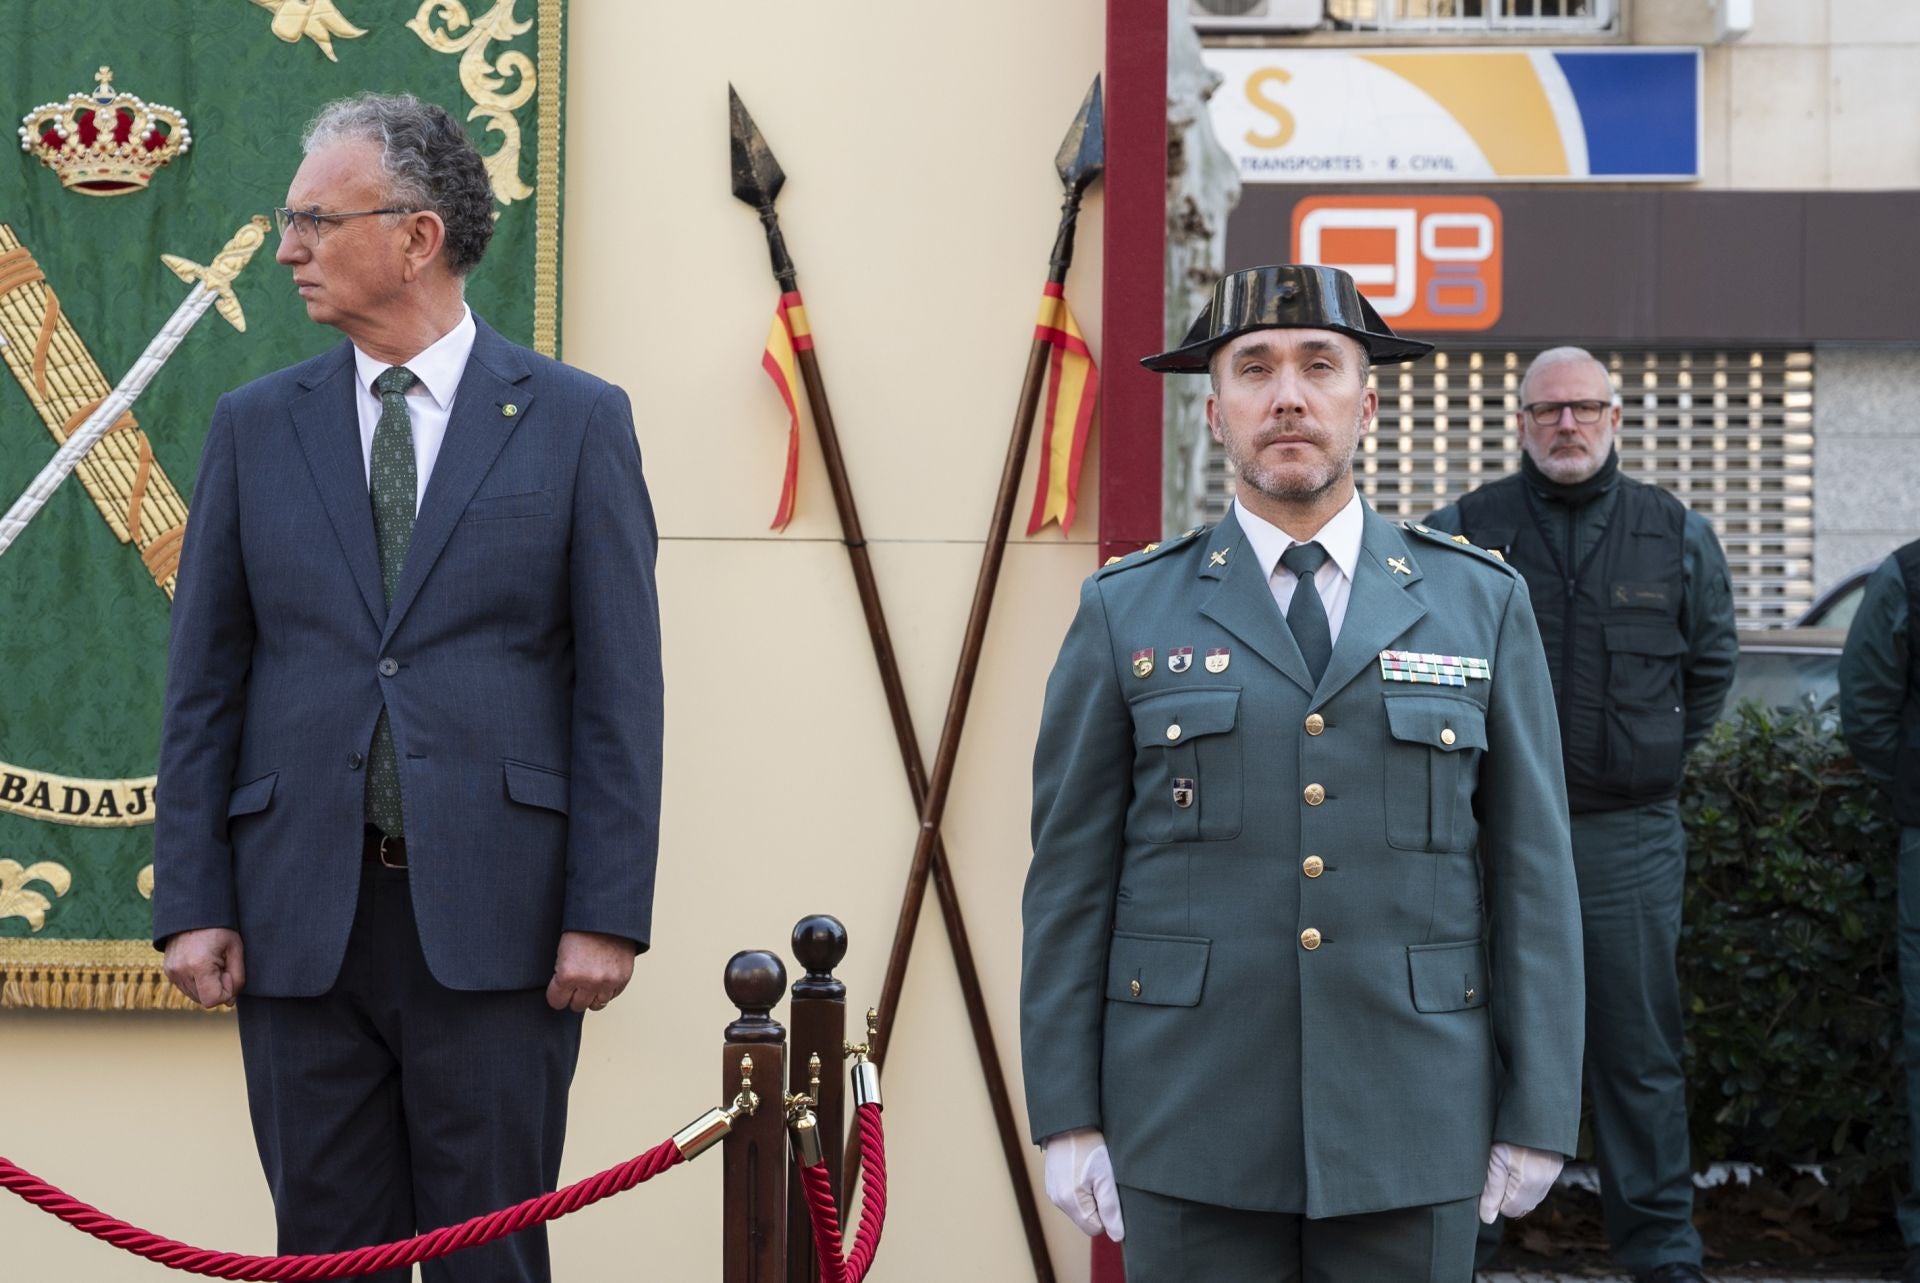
1306	613
394	483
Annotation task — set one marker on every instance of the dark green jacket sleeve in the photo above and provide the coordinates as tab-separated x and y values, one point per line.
1082	784
1873	672
1706	618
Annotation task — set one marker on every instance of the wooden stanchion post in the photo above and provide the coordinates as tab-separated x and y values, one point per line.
755	1180
819	1016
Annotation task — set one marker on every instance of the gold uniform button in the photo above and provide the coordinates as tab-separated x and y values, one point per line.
1313	866
1173	731
1133	987
1309	939
1446	735
1315	723
1315	795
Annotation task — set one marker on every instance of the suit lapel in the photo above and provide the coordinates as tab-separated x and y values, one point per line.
476	433
328	426
1379	609
1243	603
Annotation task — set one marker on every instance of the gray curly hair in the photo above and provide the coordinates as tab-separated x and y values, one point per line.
427	159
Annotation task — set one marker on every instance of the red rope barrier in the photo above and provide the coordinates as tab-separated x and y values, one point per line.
817	1185
335	1265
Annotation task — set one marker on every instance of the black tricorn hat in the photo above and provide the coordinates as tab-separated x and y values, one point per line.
1285	296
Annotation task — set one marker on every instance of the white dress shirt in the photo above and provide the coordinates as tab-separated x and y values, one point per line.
429	401
1334	580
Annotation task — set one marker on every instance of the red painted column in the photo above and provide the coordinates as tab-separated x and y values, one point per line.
1135	245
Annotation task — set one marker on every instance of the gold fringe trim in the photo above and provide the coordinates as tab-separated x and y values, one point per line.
58	988
546	198
86	975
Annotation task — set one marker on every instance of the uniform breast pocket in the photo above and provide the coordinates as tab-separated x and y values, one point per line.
1187	765
1433	750
1643	662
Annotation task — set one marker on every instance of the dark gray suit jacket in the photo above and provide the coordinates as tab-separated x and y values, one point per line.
524	685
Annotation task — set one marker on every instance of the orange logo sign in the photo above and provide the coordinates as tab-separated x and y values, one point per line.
1425	262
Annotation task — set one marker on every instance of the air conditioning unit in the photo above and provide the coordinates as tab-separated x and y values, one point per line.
1256	15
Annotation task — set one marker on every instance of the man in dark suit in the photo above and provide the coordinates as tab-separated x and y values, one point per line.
411	747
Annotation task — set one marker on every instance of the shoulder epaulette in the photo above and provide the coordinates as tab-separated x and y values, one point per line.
1459	543
1151	552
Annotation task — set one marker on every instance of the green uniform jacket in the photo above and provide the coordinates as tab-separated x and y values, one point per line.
1167	993
1873	673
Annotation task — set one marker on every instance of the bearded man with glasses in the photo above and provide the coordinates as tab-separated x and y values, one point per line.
1636	613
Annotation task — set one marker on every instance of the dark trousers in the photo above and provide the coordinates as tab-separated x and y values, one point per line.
1172	1240
392	1105
1908	879
1632	866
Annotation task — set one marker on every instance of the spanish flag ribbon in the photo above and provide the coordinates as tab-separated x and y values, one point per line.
789	335
1073	385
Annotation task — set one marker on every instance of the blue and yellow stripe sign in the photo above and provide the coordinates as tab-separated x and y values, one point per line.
1459	115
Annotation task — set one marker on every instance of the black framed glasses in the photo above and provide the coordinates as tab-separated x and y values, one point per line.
1547	413
310	227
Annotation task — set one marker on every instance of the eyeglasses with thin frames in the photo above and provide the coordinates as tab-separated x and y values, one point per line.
1547	413
309	227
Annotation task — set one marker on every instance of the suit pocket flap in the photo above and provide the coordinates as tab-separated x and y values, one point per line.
531	503
1448	977
1174	717
536	786
252	796
1438	721
1160	971
1646	639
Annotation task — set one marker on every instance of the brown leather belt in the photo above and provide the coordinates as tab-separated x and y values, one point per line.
378	848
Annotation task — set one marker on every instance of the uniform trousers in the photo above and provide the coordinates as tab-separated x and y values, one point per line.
1908	878
1631	865
391	1105
1173	1240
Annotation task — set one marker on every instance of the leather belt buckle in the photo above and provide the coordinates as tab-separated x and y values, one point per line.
391	852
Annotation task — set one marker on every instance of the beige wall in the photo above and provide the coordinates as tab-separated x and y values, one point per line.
920	206
1819	94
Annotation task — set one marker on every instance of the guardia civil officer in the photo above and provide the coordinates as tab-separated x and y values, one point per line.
1880	713
1634	604
1280	758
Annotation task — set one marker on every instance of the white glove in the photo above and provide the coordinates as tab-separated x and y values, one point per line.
1080	1182
1517	1179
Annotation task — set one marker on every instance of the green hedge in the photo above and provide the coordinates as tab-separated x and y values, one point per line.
1787	961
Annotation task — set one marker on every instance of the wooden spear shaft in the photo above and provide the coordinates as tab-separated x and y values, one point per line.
757	181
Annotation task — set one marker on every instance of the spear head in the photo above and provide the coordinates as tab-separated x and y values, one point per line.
1083	152
757	176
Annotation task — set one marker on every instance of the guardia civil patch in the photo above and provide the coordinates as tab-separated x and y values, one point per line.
1434	670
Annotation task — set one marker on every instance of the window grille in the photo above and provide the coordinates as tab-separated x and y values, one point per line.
1730	434
1467	17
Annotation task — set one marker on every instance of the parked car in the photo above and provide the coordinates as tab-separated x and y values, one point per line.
1789	667
1835	607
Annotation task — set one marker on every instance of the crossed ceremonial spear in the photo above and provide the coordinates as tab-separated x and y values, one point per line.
212	287
757	179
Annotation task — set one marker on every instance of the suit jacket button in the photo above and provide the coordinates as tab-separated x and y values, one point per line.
389	666
1313	866
1173	731
1315	723
1133	987
1315	795
355	761
1309	939
1446	735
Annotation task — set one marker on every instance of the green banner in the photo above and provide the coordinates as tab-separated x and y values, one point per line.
161	130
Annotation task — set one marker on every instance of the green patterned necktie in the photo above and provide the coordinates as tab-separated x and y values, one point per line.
394	485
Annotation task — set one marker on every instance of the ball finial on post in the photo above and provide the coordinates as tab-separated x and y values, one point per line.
820	943
756	981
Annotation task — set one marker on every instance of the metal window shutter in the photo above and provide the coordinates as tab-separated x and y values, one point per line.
1729	433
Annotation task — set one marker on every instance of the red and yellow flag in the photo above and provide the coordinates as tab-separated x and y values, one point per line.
789	335
1073	384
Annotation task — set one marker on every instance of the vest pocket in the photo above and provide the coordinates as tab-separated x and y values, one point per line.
1430	770
1187	765
1645	719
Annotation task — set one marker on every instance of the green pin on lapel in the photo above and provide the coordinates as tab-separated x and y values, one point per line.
509	409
